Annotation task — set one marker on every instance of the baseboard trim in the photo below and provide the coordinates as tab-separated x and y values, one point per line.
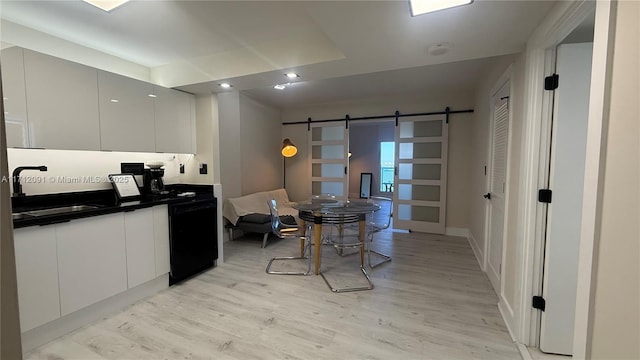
454	231
507	316
77	319
524	351
476	251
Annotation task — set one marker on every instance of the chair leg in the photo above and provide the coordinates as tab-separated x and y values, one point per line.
369	285
307	247
385	258
264	240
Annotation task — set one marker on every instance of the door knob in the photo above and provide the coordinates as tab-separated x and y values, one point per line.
487	196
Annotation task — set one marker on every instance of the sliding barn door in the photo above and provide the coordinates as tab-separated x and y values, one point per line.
421	174
329	148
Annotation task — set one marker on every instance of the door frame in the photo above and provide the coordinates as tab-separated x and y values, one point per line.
560	22
505	79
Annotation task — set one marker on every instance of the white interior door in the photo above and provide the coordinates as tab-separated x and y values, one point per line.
421	178
566	180
329	166
497	183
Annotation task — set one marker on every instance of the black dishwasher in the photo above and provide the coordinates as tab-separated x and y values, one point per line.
193	238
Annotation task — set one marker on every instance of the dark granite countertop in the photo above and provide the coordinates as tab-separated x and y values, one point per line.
101	202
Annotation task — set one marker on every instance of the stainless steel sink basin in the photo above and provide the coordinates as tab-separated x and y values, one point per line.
53	211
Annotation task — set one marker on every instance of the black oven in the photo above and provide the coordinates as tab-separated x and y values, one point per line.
193	238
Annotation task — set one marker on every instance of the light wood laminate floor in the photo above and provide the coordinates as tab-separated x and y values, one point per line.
431	302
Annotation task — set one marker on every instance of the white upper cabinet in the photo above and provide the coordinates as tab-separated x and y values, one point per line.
14	97
174	121
126	113
62	103
53	103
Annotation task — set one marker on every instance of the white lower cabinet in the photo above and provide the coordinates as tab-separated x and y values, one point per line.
92	260
65	267
37	274
141	260
161	235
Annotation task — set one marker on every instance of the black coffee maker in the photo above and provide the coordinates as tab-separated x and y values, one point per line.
152	181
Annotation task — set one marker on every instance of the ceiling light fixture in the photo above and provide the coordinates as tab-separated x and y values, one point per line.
152	95
292	75
106	5
225	85
280	86
419	7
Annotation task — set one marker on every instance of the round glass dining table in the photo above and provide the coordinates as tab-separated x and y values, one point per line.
331	211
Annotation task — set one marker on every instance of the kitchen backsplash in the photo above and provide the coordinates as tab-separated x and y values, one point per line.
71	170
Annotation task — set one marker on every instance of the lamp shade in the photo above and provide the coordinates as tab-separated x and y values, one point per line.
288	149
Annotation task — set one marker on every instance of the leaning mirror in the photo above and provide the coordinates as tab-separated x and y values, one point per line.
365	185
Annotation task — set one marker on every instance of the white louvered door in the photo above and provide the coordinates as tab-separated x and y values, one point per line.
420	197
329	148
498	184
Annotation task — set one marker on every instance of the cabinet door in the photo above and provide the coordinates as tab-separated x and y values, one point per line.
161	235
141	259
37	274
126	113
14	97
174	121
91	260
63	103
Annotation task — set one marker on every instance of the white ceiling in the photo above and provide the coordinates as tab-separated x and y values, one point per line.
194	45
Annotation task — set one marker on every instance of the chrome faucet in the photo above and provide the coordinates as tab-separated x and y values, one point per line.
17	187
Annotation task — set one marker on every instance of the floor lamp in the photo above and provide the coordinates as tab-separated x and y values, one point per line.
288	150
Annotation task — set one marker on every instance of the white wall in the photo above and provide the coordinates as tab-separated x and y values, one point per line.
615	317
250	142
75	165
230	149
10	342
298	178
207	141
261	143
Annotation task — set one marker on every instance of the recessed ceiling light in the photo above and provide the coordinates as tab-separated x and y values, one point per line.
280	86
225	85
291	75
152	95
114	100
419	7
106	5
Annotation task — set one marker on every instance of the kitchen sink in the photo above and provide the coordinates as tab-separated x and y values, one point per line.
53	211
